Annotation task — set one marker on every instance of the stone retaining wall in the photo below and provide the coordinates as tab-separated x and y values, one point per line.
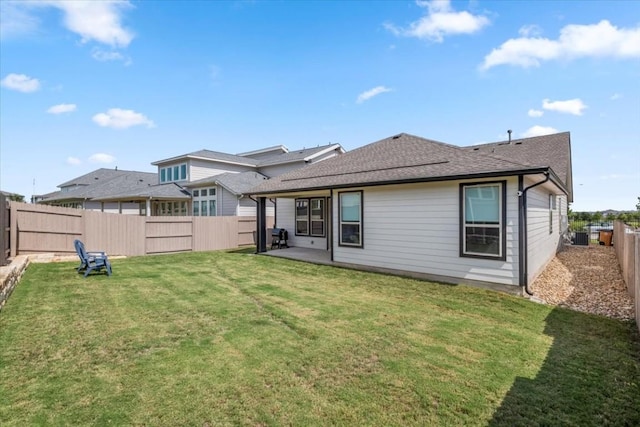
10	276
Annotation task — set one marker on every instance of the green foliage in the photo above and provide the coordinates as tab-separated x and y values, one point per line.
238	339
16	197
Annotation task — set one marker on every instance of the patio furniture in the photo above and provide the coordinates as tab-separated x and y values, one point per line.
279	238
91	261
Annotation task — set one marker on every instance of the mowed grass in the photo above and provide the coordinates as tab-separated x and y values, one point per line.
221	338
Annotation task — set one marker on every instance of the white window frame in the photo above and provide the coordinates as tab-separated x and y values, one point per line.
500	226
169	208
342	222
308	218
303	218
168	173
198	200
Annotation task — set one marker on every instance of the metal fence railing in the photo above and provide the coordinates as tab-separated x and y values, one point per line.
589	232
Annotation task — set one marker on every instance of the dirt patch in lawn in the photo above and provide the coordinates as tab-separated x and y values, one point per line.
588	279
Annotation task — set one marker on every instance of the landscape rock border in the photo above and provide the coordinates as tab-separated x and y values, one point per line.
586	279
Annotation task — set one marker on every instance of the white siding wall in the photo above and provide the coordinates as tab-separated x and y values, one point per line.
199	169
276	170
93	206
111	207
248	207
227	203
286	219
541	245
130	208
416	228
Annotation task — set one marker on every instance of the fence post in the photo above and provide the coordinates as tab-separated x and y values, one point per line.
4	227
13	239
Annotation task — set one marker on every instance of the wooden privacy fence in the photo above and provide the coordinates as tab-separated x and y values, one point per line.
5	212
627	246
50	229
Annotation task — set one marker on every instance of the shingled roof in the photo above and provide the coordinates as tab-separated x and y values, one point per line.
237	183
244	159
98	175
298	155
213	156
103	183
170	191
408	158
550	150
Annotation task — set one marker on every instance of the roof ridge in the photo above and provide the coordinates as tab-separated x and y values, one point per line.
514	141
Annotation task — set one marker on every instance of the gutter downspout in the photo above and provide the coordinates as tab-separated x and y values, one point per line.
522	230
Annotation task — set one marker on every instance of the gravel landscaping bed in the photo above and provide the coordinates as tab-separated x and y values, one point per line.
588	279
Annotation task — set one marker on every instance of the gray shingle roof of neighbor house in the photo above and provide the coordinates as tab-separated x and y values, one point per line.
211	155
94	176
237	183
299	155
171	191
276	159
408	158
100	185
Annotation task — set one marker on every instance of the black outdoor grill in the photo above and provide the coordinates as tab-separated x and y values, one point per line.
279	237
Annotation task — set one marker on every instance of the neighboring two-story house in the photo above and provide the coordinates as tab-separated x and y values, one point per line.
201	183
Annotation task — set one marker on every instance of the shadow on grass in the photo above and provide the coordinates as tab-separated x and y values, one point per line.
591	376
243	250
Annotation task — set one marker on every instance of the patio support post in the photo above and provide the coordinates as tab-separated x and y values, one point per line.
261	225
148	207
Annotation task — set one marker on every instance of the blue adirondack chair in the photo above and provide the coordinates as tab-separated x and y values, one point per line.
91	261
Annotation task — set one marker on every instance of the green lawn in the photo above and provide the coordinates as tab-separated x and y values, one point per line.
221	338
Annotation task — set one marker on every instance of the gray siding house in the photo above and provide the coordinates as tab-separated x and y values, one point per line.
115	191
201	183
490	215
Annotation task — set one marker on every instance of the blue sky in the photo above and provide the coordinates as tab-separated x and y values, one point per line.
116	83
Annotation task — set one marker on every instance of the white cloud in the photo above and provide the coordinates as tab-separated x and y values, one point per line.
121	119
535	113
538	131
62	108
73	161
615	96
530	31
21	83
440	21
96	20
93	21
112	55
15	20
575	41
101	158
570	106
364	96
